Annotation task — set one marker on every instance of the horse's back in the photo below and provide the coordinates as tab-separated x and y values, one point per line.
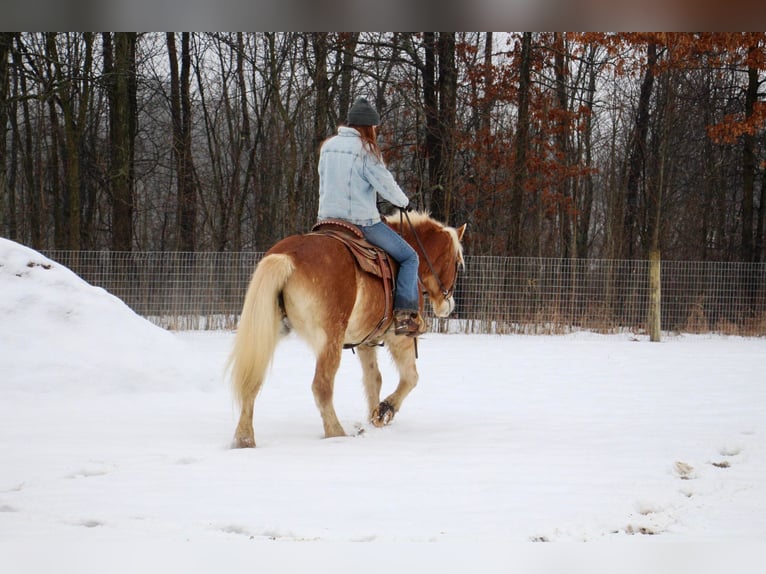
322	260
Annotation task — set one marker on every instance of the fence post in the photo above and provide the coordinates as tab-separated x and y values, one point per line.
655	317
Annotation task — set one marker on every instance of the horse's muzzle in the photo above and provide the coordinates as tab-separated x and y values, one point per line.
445	308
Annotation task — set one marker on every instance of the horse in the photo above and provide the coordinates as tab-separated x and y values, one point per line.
312	285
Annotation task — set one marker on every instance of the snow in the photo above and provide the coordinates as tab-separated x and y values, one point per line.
115	434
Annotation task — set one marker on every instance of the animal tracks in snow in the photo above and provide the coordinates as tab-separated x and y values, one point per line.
90	470
657	517
238	530
684	470
727	451
270	534
90	523
699	484
653	517
730	450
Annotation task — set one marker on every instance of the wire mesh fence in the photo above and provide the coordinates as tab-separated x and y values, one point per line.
183	291
175	290
538	295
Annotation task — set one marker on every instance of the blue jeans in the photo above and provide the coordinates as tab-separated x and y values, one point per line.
381	235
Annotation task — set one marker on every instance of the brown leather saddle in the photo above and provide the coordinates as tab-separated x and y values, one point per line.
370	259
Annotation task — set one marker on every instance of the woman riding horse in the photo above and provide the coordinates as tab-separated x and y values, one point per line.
310	284
351	175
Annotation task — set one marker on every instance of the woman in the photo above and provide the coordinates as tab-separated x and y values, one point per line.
351	175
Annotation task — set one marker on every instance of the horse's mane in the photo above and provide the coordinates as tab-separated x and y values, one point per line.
423	222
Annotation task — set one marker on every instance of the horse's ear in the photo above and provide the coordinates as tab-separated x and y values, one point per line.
460	231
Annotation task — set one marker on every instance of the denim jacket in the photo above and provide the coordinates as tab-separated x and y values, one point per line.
350	179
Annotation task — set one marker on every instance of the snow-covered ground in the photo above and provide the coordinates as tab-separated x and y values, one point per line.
114	450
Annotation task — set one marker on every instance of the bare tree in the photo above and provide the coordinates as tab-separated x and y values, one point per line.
748	167
71	85
6	195
556	145
180	102
347	47
120	79
519	169
637	155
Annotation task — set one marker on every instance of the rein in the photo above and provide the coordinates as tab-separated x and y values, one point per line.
402	212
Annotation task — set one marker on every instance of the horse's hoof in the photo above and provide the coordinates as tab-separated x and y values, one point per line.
243	442
383	415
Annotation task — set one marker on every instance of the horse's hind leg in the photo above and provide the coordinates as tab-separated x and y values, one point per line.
327	365
368	357
402	350
244	437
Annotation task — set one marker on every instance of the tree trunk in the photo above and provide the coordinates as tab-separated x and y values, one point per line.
747	253
430	106
760	230
321	88
761	225
485	113
246	142
66	201
6	41
322	113
348	47
521	144
585	203
654	205
72	95
562	145
180	103
71	205
13	116
119	69
440	104
27	160
637	157
84	84
442	204
665	107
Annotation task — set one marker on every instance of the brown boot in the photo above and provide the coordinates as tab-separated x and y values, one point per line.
408	323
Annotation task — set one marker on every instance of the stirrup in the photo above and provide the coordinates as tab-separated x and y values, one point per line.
408	323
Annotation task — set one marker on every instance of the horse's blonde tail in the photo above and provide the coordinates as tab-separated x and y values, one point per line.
259	326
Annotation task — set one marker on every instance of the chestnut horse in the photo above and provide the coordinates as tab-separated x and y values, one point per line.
311	284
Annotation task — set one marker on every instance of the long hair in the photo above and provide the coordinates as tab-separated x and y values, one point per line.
369	140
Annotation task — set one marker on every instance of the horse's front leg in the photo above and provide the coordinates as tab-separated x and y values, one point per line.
368	357
402	350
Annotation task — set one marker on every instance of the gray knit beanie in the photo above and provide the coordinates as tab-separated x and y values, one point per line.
362	114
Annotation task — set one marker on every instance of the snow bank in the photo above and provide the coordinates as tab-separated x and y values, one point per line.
52	321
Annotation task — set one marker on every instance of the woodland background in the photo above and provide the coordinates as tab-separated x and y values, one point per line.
565	145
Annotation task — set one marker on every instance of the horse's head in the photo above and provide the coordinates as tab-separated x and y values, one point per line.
441	256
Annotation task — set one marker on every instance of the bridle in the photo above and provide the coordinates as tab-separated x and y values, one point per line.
446	293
